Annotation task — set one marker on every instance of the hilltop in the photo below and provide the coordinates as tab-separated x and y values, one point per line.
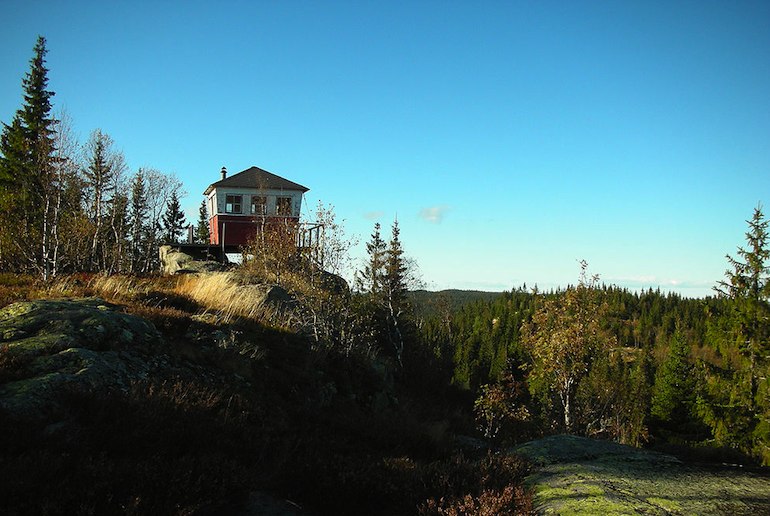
428	302
194	395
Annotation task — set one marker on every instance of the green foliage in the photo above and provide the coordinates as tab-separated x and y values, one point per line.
501	411
674	392
370	279
202	235
138	220
27	149
613	399
491	325
102	175
13	145
748	287
735	401
395	270
384	282
564	337
69	201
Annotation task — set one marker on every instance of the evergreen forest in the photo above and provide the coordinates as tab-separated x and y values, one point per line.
643	368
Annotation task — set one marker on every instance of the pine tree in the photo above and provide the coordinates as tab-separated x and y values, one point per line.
202	235
173	220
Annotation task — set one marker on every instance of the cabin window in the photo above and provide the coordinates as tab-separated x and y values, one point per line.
233	203
258	205
283	206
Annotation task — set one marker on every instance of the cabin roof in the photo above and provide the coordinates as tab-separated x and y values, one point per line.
256	178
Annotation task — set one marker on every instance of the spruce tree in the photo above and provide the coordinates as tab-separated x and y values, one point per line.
739	410
13	161
103	169
371	278
747	286
27	144
36	113
395	269
674	391
173	220
202	235
27	148
394	294
137	218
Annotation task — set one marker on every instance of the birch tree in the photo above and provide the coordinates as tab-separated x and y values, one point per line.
564	335
158	190
104	167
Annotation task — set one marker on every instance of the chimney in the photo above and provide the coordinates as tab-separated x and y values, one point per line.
224	172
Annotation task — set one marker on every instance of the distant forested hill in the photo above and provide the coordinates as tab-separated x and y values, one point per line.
426	302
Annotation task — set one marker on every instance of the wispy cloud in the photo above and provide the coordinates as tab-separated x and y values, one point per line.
373	215
434	214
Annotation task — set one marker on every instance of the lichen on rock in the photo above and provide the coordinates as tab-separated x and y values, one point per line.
578	475
83	344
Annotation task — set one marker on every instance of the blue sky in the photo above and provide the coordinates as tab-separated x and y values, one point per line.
511	139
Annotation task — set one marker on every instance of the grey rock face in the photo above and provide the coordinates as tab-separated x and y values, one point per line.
84	344
173	261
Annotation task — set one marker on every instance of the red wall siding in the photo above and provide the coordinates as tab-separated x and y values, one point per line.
239	230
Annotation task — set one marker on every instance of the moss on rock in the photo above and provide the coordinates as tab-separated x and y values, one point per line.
83	344
577	475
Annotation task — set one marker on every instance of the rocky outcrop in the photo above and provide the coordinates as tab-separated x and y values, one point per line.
85	344
577	475
174	261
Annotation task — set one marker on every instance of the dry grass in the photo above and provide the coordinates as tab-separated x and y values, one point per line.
130	288
223	294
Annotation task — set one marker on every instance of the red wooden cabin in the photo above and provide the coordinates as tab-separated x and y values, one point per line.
243	203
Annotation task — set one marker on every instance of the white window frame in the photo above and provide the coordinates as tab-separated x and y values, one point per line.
230	205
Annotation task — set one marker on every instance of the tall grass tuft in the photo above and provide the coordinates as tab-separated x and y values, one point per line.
226	296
